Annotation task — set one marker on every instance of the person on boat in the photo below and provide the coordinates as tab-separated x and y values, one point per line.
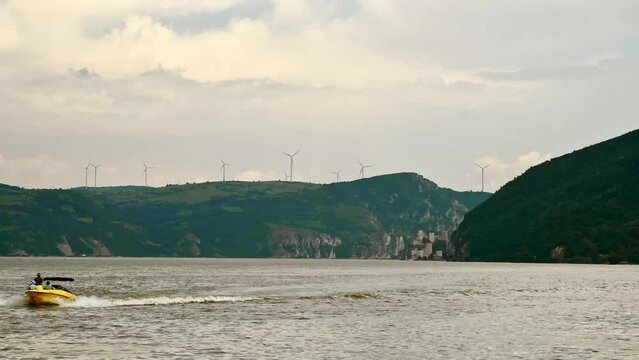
47	286
38	279
32	285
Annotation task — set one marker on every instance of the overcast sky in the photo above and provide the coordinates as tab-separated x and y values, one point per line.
422	86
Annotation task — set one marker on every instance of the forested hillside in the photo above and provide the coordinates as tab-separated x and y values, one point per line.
581	207
369	218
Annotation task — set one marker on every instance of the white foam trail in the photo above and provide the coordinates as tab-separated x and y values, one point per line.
93	301
11	300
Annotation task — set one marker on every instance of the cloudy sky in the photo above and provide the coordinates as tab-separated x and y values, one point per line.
423	86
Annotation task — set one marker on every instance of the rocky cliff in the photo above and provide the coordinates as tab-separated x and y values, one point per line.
370	218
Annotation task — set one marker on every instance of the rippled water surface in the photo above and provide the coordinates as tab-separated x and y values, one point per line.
322	309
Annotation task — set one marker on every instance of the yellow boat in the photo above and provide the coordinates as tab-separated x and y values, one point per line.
56	296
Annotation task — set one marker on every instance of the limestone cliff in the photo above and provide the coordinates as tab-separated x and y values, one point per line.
369	218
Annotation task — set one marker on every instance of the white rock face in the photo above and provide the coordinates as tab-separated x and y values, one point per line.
65	247
304	244
386	246
99	249
558	252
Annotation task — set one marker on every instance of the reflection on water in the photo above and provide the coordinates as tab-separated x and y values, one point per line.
237	308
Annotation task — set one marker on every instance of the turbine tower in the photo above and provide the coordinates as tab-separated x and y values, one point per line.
291	156
146	172
336	173
86	176
482	174
223	167
361	171
95	174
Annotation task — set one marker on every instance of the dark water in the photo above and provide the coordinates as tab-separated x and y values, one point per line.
322	309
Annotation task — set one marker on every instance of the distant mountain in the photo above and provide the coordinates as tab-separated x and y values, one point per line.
374	217
581	207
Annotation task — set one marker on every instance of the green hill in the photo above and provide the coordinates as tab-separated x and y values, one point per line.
374	217
581	207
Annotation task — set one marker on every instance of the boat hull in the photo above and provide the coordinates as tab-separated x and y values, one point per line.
48	297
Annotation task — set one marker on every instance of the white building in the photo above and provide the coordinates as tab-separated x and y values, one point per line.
428	250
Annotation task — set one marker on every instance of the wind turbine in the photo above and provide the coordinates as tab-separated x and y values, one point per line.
361	171
95	174
291	156
336	173
482	174
86	176
146	172
223	167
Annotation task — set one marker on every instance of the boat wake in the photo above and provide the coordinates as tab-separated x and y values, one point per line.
11	300
344	296
94	301
101	302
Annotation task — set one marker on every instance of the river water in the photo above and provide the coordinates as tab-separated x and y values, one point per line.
322	309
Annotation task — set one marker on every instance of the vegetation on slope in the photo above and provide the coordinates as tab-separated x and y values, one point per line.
581	207
234	219
40	221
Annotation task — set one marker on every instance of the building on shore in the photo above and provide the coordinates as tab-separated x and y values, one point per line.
429	245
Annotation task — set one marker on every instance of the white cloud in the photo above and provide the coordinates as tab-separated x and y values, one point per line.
40	170
256	175
499	172
10	39
403	84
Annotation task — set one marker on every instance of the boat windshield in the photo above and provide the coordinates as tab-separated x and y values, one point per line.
60	287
